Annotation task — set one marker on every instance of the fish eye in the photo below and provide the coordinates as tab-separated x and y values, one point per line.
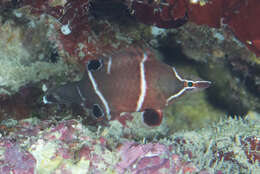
94	65
190	84
97	111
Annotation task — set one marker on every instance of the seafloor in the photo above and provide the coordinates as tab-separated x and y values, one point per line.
47	43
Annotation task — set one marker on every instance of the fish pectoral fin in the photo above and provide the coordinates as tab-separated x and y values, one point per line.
152	117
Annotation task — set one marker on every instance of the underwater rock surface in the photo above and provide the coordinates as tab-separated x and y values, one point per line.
238	16
34	146
45	43
25	57
37	47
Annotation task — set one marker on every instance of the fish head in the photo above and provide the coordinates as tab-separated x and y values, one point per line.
185	86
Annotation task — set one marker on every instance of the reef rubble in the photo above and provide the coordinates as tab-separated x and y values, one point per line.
34	146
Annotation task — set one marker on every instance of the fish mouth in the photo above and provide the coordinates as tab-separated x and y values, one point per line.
189	84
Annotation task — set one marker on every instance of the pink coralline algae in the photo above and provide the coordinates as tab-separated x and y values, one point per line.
241	16
15	159
55	146
33	146
151	158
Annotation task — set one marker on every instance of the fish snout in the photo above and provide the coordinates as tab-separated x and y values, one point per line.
188	84
202	84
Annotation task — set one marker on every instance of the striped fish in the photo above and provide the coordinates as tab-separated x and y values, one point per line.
130	80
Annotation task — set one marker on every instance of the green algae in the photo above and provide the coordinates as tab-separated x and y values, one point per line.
224	137
21	65
192	112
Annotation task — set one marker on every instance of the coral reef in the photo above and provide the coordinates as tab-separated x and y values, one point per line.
80	35
24	59
47	42
94	31
239	16
223	142
226	60
68	146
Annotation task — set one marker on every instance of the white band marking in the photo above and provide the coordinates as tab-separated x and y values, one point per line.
102	98
45	101
177	75
80	94
142	84
175	96
109	64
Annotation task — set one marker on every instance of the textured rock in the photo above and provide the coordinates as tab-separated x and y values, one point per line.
239	16
34	146
34	47
24	55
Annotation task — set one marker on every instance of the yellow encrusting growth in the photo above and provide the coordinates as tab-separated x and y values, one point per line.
44	153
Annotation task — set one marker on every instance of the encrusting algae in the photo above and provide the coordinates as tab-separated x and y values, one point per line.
230	146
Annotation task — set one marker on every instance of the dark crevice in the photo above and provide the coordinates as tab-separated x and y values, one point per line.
111	10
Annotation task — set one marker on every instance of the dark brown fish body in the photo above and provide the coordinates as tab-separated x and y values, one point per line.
127	81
